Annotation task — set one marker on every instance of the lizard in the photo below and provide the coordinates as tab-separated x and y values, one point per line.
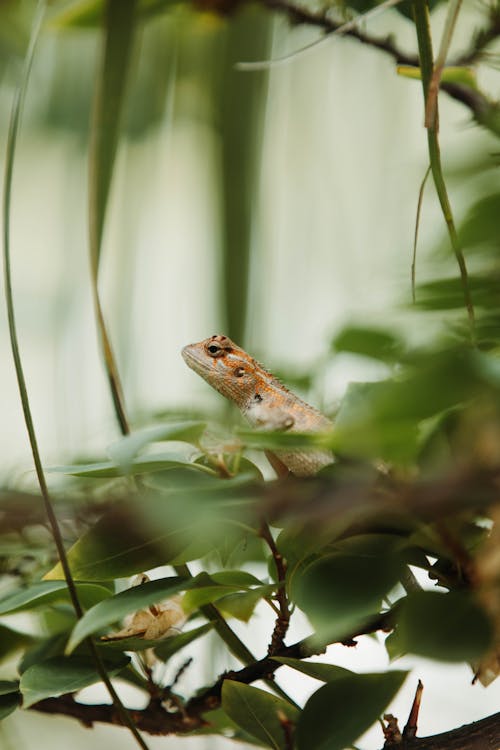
262	399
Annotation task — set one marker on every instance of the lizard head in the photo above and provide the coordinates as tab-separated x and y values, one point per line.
226	367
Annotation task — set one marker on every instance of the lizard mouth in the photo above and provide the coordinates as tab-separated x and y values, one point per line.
188	355
191	357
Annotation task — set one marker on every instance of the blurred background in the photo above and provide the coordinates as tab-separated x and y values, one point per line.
274	206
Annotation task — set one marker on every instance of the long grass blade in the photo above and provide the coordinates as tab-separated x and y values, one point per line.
108	103
241	102
424	40
120	20
15	120
415	237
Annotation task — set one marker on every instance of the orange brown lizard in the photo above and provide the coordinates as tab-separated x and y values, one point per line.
263	400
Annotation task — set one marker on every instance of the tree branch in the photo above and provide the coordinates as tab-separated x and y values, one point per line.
483	110
154	719
303	15
480	735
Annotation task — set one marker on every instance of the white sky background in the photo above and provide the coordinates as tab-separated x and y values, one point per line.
344	154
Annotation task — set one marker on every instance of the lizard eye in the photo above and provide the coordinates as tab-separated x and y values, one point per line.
239	372
213	349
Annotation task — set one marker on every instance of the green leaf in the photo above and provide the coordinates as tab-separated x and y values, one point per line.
8	686
480	226
369	342
447	294
59	675
240	578
116	607
120	21
12	641
116	547
143	465
257	712
90	13
43	649
393	645
274	440
241	606
9	701
201	508
79	13
123	451
446	627
451	74
171	646
48	592
363	428
222	586
316	669
199	596
219	723
339	712
382	419
164	648
342	591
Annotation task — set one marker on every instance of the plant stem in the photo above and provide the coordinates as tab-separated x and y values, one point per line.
283	619
14	124
424	39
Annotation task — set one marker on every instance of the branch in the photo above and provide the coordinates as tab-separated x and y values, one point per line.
302	15
480	735
283	619
154	719
483	110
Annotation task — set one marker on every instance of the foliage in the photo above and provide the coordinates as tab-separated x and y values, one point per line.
413	488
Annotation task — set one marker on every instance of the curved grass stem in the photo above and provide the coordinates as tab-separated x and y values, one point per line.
424	39
415	236
14	124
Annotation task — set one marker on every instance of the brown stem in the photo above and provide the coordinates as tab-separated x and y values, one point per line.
410	729
287	727
283	619
154	719
480	735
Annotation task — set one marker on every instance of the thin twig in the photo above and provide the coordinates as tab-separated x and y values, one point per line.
340	29
283	619
484	111
411	726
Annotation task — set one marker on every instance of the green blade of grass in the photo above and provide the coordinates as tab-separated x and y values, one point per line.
120	20
14	125
424	40
415	236
108	103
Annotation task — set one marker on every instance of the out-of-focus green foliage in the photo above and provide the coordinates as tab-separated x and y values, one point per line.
417	451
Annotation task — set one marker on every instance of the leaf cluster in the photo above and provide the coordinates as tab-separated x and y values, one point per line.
396	538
